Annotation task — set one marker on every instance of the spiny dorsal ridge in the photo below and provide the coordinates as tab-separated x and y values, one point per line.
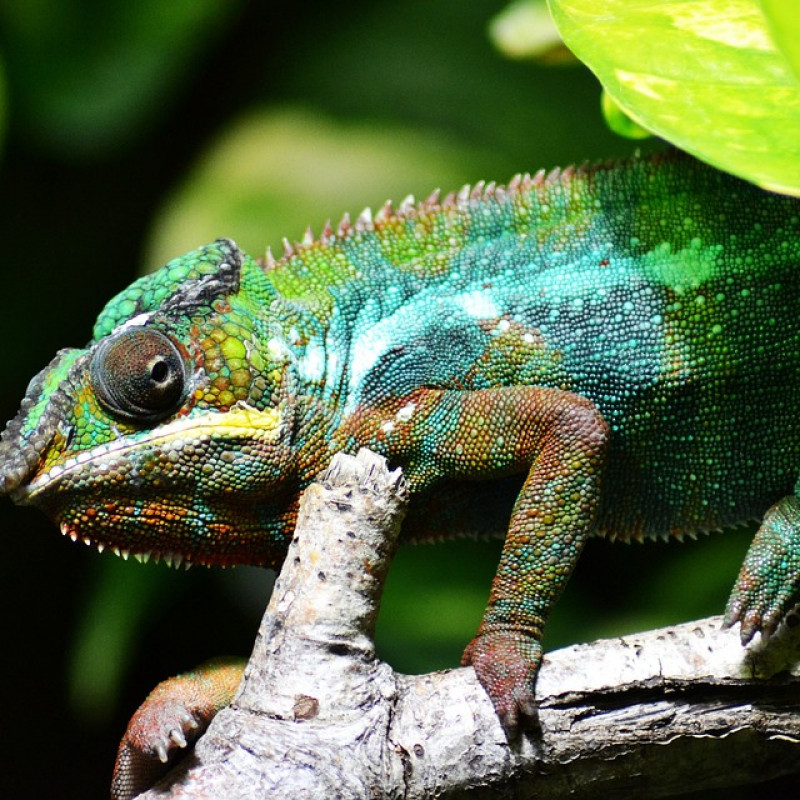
364	220
432	200
344	226
477	191
327	235
469	194
554	176
385	212
407	207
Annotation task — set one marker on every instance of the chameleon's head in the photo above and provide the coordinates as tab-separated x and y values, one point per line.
169	434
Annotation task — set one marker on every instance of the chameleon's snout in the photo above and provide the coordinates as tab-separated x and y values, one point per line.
27	437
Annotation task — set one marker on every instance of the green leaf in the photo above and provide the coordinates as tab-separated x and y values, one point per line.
783	18
703	74
619	121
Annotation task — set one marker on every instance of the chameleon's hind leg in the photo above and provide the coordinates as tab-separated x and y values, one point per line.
174	714
769	581
558	439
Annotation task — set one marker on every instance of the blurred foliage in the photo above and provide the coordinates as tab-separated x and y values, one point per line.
707	77
525	29
89	74
274	171
3	103
139	130
120	602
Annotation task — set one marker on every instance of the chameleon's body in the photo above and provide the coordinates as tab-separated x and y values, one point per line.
611	350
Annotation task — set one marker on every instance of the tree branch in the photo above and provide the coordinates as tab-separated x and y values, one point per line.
317	716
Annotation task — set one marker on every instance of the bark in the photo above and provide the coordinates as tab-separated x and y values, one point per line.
317	716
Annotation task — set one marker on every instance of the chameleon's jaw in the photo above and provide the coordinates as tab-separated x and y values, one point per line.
177	527
160	531
198	488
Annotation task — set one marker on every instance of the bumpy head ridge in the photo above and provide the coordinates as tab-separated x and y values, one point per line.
37	423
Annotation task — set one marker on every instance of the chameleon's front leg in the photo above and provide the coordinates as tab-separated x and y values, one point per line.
174	714
552	518
559	439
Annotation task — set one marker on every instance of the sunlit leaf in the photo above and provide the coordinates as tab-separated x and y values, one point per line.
619	121
703	74
783	18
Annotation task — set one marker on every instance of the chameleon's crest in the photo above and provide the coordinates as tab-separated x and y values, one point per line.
183	284
469	196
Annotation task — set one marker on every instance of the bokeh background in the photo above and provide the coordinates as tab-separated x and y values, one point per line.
132	132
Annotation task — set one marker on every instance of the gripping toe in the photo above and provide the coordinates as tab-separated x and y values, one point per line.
769	581
506	664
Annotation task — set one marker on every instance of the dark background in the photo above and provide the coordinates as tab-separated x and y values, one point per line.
136	131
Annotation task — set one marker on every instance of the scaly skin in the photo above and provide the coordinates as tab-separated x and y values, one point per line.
610	350
174	714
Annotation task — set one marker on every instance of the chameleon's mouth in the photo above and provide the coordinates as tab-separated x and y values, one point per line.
176	528
122	462
124	528
137	495
143	557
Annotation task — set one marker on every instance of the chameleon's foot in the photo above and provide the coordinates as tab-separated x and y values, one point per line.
156	733
748	606
769	580
506	663
172	717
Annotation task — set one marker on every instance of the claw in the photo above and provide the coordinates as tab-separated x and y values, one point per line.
161	751
177	736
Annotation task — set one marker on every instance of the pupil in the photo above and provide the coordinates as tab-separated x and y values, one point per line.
160	372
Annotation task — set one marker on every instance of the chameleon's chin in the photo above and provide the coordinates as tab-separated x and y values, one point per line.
170	558
159	530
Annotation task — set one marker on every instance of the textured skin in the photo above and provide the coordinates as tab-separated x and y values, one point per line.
606	351
174	714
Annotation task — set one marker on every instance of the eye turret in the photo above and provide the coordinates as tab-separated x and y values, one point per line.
139	375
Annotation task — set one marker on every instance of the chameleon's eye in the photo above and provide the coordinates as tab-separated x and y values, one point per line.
139	375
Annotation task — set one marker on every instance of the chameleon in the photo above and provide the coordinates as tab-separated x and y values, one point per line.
605	350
